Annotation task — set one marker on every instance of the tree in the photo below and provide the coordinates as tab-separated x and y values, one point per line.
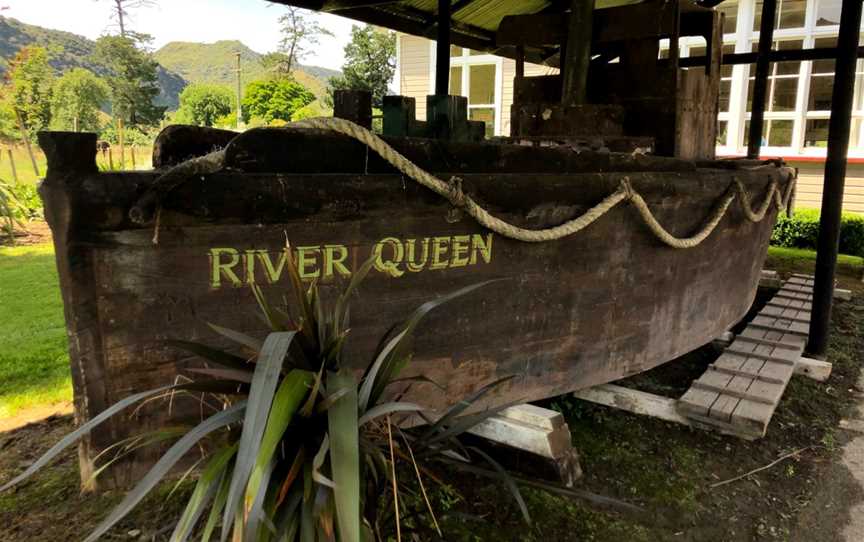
120	14
300	33
277	65
274	99
370	61
77	98
203	104
132	79
30	80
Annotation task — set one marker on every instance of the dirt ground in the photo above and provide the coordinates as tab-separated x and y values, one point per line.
37	232
665	468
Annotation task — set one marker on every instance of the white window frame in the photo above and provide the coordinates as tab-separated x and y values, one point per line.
737	116
465	62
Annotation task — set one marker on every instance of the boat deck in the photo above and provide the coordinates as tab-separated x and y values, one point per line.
739	393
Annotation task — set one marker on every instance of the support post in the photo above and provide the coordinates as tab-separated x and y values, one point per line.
574	81
442	50
835	177
520	72
760	85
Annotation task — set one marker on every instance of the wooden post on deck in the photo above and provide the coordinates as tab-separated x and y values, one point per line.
576	56
353	105
442	50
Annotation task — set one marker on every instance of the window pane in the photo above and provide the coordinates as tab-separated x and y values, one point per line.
456	81
696	50
780	133
487	115
828	12
726	69
820	93
790	14
722	127
455	51
775	133
472	52
481	84
784	91
816	133
730	10
824	66
788	68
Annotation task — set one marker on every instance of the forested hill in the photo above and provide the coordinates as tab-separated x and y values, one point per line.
217	62
181	63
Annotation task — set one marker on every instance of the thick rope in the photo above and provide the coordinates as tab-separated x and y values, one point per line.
452	191
625	191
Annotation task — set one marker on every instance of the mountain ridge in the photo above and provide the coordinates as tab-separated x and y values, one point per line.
180	63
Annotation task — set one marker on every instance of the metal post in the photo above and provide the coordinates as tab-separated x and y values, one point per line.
442	51
760	85
574	80
835	177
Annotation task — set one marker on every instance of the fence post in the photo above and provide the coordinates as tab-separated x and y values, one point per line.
110	160
12	163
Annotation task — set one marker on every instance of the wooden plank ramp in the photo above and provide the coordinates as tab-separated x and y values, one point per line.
739	392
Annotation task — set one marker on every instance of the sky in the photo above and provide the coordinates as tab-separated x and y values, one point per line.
254	22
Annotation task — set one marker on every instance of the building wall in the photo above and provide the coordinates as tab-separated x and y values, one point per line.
809	188
416	73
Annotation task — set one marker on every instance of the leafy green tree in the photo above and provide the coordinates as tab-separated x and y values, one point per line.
132	78
300	33
30	81
274	100
370	61
77	99
277	65
203	104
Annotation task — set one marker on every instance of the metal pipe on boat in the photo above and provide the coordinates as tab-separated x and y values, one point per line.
442	50
760	85
835	176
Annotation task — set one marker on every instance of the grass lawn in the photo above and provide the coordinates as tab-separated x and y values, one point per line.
23	166
34	364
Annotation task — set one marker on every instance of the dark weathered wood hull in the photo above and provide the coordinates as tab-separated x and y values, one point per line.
608	302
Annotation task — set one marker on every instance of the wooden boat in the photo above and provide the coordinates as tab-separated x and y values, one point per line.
609	301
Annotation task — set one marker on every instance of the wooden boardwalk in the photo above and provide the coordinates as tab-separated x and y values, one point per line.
739	393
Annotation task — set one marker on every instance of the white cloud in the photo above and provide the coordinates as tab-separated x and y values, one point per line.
254	22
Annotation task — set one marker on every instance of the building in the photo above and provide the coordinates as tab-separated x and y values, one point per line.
796	112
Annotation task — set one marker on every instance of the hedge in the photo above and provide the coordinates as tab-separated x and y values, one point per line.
802	230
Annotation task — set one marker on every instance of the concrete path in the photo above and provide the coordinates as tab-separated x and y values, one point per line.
853	459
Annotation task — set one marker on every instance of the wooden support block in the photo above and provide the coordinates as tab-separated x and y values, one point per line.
770	279
634	401
813	368
536	430
843	294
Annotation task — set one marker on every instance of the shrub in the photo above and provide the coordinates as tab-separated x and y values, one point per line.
18	202
801	230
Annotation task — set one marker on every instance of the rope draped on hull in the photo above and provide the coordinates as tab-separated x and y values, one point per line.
150	203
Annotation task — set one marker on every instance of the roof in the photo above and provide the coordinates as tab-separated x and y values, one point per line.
474	22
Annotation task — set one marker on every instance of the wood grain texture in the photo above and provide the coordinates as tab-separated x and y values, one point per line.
589	309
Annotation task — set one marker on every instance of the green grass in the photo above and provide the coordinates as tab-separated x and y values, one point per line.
782	256
34	363
23	166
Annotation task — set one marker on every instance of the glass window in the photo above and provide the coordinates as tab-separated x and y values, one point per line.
481	83
726	80
456	81
822	79
730	11
790	14
816	133
782	91
828	12
722	129
775	133
472	52
487	115
455	51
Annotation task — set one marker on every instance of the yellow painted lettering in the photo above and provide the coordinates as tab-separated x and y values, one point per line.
220	268
334	260
439	249
306	257
461	248
481	246
391	266
411	262
272	274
